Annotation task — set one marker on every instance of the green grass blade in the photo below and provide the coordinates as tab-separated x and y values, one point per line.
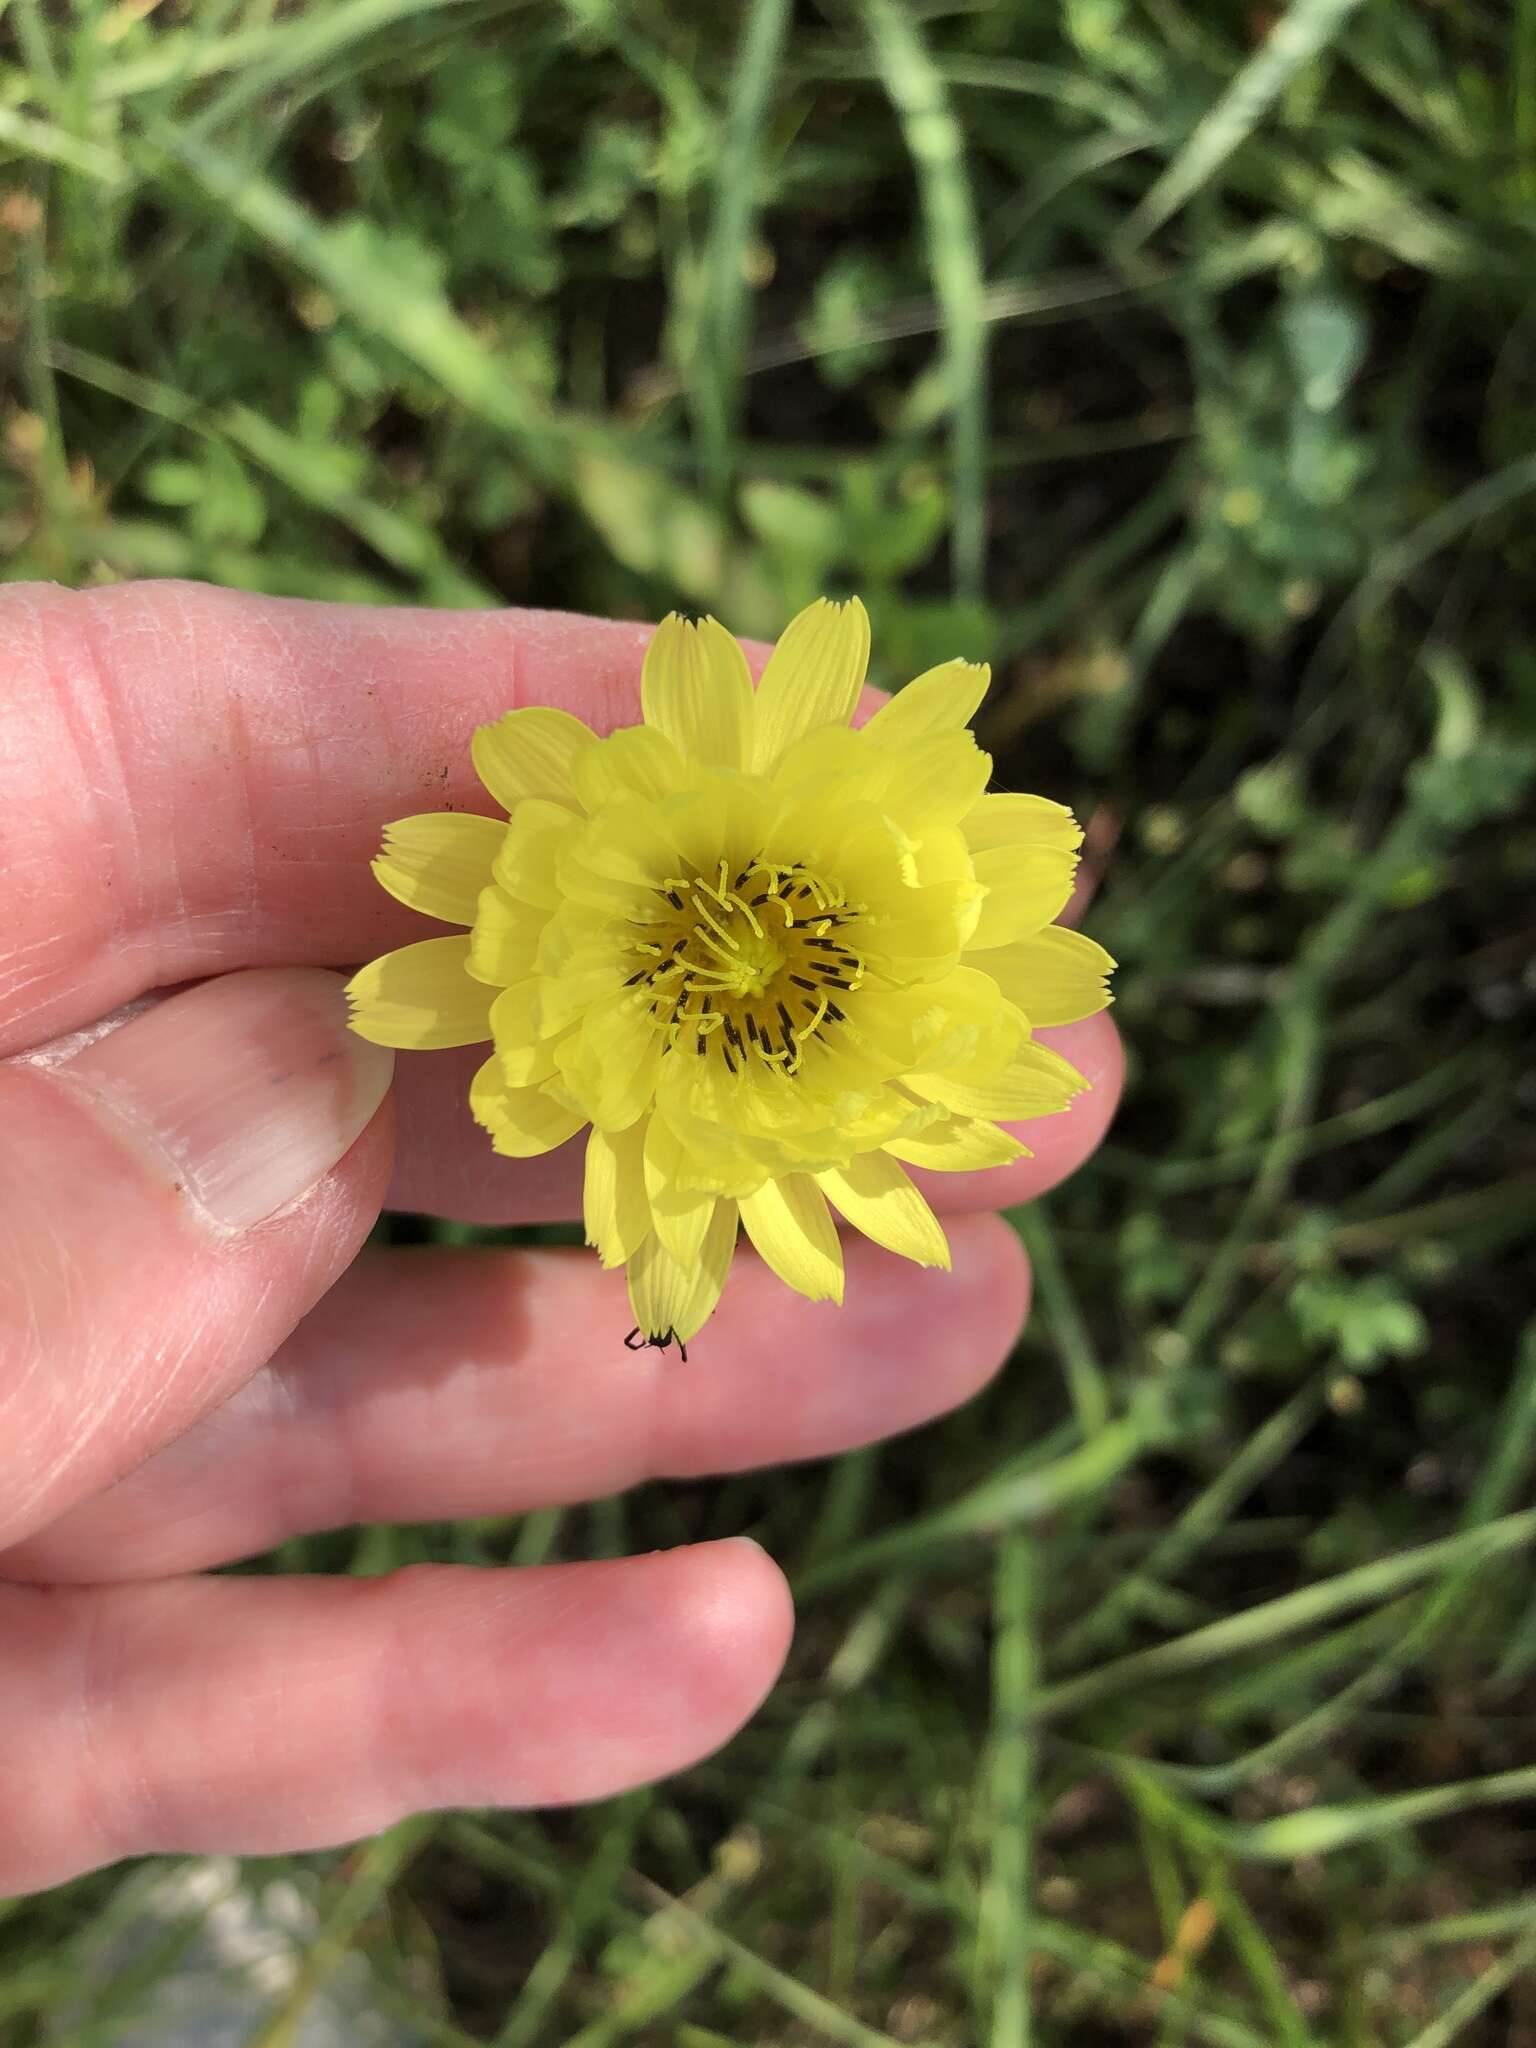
1206	1515
376	1866
1026	1493
1320	1830
1302	33
1251	1947
1105	1965
936	143
1274	1619
46	142
724	287
1456	1928
401	310
819	2014
1006	1900
1468	2005
1086	1382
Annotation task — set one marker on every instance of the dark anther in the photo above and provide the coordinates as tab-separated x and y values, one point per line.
787	1021
701	1045
802	981
674	899
730	1064
758	901
835	1014
752	1028
636	978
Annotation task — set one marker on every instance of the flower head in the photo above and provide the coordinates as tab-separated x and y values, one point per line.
770	959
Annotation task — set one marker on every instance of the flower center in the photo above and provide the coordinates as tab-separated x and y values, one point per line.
751	967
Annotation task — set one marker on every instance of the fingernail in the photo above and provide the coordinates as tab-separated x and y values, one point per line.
251	1087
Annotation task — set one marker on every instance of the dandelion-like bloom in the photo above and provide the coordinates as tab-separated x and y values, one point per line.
770	959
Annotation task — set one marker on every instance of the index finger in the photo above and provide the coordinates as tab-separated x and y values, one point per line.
193	780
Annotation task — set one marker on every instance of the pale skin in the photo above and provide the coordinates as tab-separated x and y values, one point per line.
191	785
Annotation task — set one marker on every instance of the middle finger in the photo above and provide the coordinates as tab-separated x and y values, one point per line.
432	1384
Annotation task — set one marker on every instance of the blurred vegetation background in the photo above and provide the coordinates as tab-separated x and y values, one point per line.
1178	360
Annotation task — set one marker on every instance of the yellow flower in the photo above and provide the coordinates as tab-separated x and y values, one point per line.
771	960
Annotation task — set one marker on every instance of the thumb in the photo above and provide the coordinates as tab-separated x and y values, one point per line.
173	1198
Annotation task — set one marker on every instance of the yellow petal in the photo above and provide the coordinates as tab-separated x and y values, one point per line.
504	944
570	984
933	781
421	997
696	688
927	783
673	1300
526	1057
1035	1082
1005	819
891	1113
789	1223
941	855
617	1214
818	761
1056	977
959	1144
731	1159
889	1029
680	1216
530	753
813	676
527	864
939	700
1027	889
949	1022
611	1063
523	1122
438	862
874	1193
921	931
618	862
639	761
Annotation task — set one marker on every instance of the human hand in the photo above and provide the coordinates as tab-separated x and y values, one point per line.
196	1362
